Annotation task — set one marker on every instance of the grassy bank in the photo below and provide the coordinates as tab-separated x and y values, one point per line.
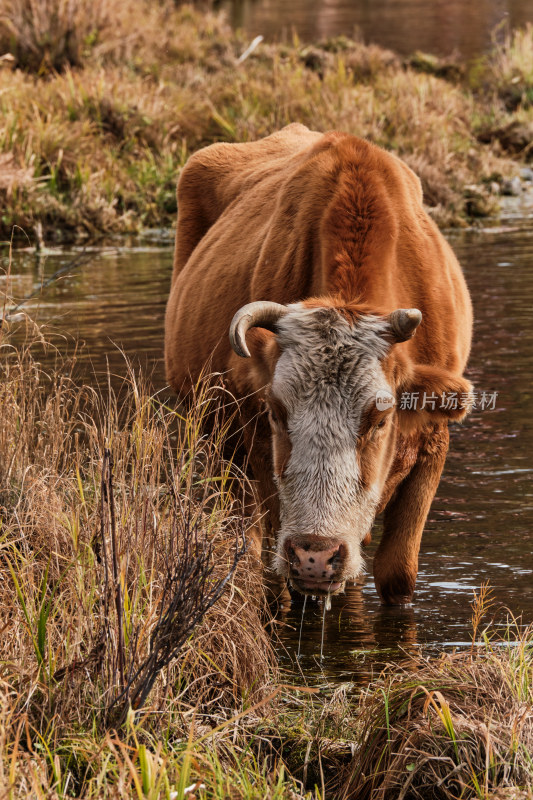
119	539
119	521
102	103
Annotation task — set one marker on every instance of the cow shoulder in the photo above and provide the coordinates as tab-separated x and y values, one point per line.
215	176
199	204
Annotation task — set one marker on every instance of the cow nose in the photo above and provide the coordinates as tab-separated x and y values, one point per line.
315	568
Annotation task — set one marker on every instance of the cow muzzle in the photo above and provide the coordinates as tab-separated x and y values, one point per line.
312	570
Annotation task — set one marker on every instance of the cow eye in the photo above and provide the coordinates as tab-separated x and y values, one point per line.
381	423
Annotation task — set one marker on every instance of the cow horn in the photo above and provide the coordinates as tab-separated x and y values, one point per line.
403	323
261	314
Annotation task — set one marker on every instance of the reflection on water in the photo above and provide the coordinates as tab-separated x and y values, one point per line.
113	303
480	525
443	27
360	636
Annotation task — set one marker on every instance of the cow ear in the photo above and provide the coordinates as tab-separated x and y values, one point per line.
264	352
431	394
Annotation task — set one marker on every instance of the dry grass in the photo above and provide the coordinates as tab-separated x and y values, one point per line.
98	145
458	726
44	35
509	70
61	632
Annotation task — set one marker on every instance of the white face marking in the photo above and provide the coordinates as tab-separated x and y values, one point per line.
328	373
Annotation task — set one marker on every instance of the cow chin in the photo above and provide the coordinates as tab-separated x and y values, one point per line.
318	590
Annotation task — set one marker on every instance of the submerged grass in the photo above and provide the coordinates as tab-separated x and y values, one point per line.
102	103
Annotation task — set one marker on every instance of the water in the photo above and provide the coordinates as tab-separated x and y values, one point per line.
443	27
113	304
480	526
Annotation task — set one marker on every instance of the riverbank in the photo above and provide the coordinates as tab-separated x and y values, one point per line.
108	506
99	113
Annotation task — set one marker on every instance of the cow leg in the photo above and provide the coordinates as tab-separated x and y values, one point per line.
263	505
263	533
396	559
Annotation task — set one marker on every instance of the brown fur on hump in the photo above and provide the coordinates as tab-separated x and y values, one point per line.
351	311
360	226
357	220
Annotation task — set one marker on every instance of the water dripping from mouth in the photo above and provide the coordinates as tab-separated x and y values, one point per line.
327	607
301	627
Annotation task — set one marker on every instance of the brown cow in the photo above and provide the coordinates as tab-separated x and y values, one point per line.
319	249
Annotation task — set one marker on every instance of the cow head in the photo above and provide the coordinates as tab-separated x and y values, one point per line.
333	444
